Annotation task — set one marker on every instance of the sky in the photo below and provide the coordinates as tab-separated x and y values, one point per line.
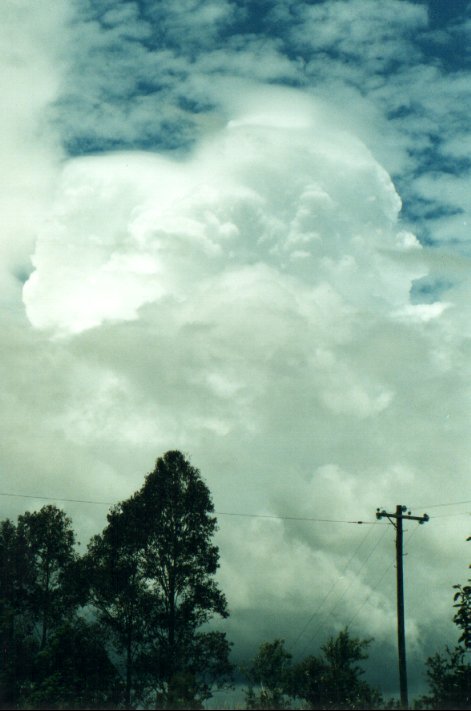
242	230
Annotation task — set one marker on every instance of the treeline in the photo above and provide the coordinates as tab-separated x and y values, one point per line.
119	626
333	679
124	624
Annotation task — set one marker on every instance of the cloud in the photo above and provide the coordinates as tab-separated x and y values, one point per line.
277	186
29	151
241	283
250	304
145	77
360	30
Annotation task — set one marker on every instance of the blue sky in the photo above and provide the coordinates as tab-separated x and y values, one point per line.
140	75
242	229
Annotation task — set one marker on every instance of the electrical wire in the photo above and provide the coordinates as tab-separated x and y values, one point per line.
319	608
383	575
318	627
296	518
448	503
337	603
373	590
55	498
218	513
311	519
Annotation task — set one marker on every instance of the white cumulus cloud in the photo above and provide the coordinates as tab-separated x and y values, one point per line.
282	188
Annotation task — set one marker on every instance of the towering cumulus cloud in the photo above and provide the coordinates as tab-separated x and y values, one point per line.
245	288
278	204
250	303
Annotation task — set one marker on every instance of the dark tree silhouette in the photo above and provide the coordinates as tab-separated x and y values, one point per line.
333	680
152	582
47	538
270	671
73	671
330	681
462	618
449	673
16	626
118	593
45	646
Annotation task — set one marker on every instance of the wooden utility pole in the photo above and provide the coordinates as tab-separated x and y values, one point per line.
396	519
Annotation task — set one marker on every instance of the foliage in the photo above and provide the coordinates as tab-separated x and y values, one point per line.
329	681
449	677
462	618
73	671
15	656
47	540
449	673
36	556
270	671
152	582
118	594
332	680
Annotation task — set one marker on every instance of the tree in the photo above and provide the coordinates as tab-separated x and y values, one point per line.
270	671
118	593
449	677
36	556
152	582
333	680
449	673
73	671
329	681
47	539
462	618
203	664
16	626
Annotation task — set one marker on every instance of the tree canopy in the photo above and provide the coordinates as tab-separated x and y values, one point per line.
152	583
131	623
331	680
37	555
449	672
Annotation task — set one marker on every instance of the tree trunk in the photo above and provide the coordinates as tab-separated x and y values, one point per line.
45	610
128	669
171	630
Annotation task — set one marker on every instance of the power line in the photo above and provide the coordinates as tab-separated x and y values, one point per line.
295	518
311	519
435	506
339	600
318	626
55	498
219	513
447	522
381	578
324	599
373	590
378	582
410	537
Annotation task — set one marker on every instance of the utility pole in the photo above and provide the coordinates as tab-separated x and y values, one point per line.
396	519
